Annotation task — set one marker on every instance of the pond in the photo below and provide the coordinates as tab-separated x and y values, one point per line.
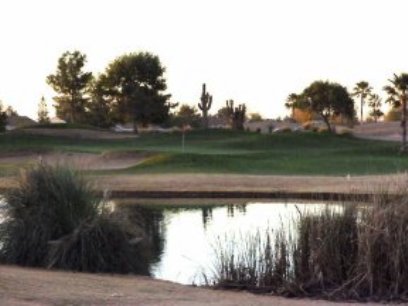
186	239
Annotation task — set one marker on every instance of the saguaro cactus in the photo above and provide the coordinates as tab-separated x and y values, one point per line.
205	105
236	114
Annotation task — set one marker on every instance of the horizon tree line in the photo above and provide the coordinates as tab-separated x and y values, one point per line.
131	89
330	100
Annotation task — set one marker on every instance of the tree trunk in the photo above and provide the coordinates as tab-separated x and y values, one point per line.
327	121
205	120
361	109
404	124
135	130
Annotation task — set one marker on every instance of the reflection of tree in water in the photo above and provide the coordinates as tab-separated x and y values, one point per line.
151	221
230	211
206	215
241	208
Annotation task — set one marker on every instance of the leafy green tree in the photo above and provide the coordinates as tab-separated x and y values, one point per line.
375	103
134	85
187	115
397	97
328	100
224	113
100	111
362	90
254	117
71	83
42	113
3	118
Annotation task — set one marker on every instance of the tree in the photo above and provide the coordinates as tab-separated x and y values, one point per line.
224	114
10	111
362	90
254	117
3	118
327	99
299	115
100	111
375	102
397	97
134	84
291	101
72	84
42	113
187	115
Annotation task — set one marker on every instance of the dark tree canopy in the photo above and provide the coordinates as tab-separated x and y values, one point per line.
375	103
224	114
398	97
71	83
100	111
134	85
187	115
3	118
328	100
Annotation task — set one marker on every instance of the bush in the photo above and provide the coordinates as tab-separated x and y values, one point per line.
55	219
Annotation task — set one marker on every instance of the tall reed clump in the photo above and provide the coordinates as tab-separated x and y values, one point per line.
55	219
357	252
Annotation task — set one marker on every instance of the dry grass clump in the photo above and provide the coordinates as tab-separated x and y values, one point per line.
357	252
55	219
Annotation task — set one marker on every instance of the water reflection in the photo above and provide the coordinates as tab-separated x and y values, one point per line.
206	215
184	239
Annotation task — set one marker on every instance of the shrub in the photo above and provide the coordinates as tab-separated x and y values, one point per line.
56	219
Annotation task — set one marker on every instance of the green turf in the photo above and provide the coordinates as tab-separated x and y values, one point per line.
226	151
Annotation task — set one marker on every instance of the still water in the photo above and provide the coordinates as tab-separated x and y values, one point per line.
186	239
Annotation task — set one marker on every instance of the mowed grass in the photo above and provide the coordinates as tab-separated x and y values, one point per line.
224	151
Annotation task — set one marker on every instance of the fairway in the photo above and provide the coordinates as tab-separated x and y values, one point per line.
225	151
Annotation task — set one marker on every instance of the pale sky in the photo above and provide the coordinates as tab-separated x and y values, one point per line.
255	52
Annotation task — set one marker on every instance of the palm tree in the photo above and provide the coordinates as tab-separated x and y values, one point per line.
362	90
291	103
397	96
375	102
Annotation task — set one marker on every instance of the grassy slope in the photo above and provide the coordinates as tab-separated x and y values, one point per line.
235	152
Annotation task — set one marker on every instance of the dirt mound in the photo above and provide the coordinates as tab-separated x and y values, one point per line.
81	161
